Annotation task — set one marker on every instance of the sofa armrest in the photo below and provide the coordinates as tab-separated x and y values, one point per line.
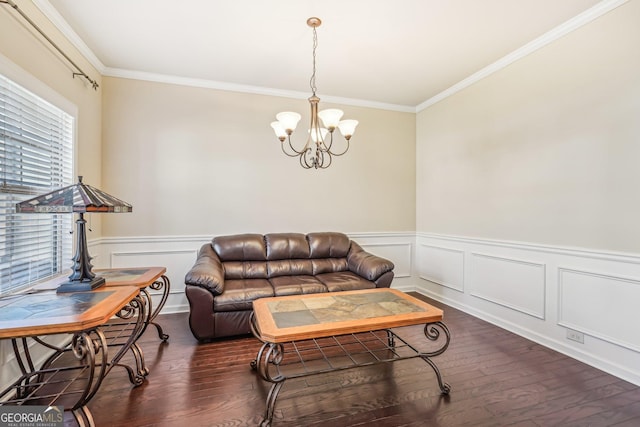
367	265
208	271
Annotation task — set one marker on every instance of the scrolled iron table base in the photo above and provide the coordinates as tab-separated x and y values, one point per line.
164	285
74	372
118	328
278	362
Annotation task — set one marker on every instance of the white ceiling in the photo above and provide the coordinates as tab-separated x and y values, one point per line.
392	54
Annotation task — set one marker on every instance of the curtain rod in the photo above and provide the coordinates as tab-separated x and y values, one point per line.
79	72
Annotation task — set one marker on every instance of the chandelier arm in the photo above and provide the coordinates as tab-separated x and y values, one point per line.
329	156
293	149
340	154
328	148
285	151
303	161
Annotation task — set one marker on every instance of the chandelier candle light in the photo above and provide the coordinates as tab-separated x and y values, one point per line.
316	153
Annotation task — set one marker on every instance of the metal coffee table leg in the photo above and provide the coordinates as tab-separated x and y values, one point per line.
432	331
267	365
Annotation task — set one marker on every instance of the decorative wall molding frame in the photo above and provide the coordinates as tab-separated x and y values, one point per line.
522	290
596	315
398	251
563	292
445	266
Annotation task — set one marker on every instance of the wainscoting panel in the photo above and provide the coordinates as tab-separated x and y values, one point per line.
608	306
442	265
398	253
178	254
547	294
515	284
172	260
532	290
396	247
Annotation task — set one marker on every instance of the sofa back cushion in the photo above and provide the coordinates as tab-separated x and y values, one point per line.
287	255
286	246
240	247
257	256
328	245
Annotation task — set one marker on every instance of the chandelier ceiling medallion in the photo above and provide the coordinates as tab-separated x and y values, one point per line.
317	152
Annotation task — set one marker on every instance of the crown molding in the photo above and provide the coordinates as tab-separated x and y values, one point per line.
561	30
63	26
256	90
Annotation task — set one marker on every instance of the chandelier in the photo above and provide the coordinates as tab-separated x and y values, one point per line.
317	152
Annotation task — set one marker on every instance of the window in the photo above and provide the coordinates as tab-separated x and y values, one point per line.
36	156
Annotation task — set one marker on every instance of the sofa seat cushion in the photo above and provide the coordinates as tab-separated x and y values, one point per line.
296	285
344	281
239	294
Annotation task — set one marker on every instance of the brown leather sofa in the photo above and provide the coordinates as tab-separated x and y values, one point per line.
232	271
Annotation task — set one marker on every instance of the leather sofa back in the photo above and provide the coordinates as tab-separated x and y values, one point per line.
328	245
282	246
240	247
257	256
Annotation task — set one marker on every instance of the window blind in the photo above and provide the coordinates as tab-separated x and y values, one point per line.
36	156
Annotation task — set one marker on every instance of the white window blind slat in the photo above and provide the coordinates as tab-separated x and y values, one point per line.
36	152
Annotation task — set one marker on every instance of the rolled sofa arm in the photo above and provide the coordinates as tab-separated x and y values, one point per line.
207	272
370	266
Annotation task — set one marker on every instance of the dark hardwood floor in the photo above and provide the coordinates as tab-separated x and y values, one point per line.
497	379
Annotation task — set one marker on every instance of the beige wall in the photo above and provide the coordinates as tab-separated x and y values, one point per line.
544	151
22	46
197	161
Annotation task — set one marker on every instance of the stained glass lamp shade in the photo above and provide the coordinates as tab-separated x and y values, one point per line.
77	198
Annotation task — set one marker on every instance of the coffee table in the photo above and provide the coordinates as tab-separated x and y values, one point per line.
311	334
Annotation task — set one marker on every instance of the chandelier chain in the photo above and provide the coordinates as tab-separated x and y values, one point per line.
312	81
